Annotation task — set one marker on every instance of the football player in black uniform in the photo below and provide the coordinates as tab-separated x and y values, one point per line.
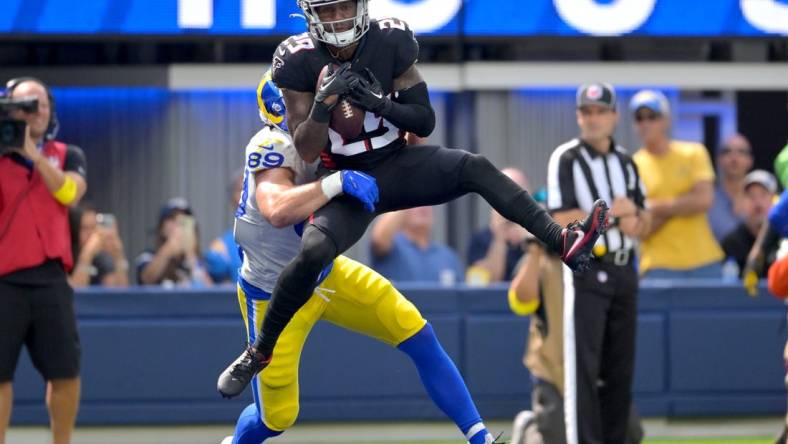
375	68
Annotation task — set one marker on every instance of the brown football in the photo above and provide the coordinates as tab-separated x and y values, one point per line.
347	119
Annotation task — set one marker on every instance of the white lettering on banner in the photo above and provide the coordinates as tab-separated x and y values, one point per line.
421	16
766	15
195	14
618	17
258	14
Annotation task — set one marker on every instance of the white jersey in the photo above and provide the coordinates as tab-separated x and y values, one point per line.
267	249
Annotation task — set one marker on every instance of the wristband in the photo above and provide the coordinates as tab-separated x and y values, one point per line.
321	113
67	193
332	185
521	308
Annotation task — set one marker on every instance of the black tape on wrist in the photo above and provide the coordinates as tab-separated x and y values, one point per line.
321	113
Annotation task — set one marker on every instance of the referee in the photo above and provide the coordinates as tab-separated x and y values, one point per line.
599	346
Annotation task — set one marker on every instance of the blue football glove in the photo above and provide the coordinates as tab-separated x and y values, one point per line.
361	186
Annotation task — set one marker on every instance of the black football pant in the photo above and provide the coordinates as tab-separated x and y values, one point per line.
605	315
410	177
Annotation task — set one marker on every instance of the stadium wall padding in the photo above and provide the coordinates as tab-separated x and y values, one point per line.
152	356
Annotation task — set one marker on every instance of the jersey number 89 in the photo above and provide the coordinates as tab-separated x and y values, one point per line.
269	160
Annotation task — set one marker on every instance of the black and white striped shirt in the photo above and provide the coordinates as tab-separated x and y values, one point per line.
612	175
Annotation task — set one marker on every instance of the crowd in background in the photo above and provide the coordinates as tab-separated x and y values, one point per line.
708	232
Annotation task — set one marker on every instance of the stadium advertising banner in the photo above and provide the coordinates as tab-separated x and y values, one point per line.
747	18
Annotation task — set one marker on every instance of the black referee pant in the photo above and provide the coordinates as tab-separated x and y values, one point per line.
605	315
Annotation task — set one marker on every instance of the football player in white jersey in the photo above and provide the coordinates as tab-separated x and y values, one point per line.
280	192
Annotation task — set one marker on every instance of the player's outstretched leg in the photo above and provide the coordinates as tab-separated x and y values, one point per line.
250	429
445	385
573	243
293	289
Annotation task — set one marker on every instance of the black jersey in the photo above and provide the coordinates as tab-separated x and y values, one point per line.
388	49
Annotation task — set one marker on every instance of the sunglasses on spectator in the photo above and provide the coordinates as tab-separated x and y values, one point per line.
647	116
740	151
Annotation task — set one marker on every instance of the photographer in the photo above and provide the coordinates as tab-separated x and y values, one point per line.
99	257
40	178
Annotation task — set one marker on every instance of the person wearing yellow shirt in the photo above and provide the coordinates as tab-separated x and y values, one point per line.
678	177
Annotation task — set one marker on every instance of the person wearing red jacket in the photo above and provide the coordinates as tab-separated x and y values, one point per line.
38	182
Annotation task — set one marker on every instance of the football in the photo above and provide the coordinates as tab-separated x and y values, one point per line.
347	119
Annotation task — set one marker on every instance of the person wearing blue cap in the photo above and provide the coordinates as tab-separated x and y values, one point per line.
679	179
177	259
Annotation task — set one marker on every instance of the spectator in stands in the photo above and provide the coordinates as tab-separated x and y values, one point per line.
97	248
537	291
403	250
678	178
222	258
734	161
760	188
496	250
176	261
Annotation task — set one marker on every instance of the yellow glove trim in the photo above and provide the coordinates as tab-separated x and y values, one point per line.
521	308
67	193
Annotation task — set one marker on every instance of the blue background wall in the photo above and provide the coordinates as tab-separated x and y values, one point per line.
153	357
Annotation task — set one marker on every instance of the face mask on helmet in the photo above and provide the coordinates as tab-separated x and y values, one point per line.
270	103
337	33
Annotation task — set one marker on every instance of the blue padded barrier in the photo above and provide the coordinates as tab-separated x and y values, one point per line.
152	356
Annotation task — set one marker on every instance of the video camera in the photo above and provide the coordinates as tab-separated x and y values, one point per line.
12	131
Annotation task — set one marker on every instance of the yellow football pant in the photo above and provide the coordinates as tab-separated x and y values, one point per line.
353	297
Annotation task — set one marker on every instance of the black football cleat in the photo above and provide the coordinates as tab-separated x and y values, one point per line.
240	373
498	439
579	238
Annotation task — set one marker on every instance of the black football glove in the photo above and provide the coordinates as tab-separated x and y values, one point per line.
368	93
337	83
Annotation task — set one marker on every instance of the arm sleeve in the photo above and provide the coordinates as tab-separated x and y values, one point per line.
411	111
75	161
561	182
